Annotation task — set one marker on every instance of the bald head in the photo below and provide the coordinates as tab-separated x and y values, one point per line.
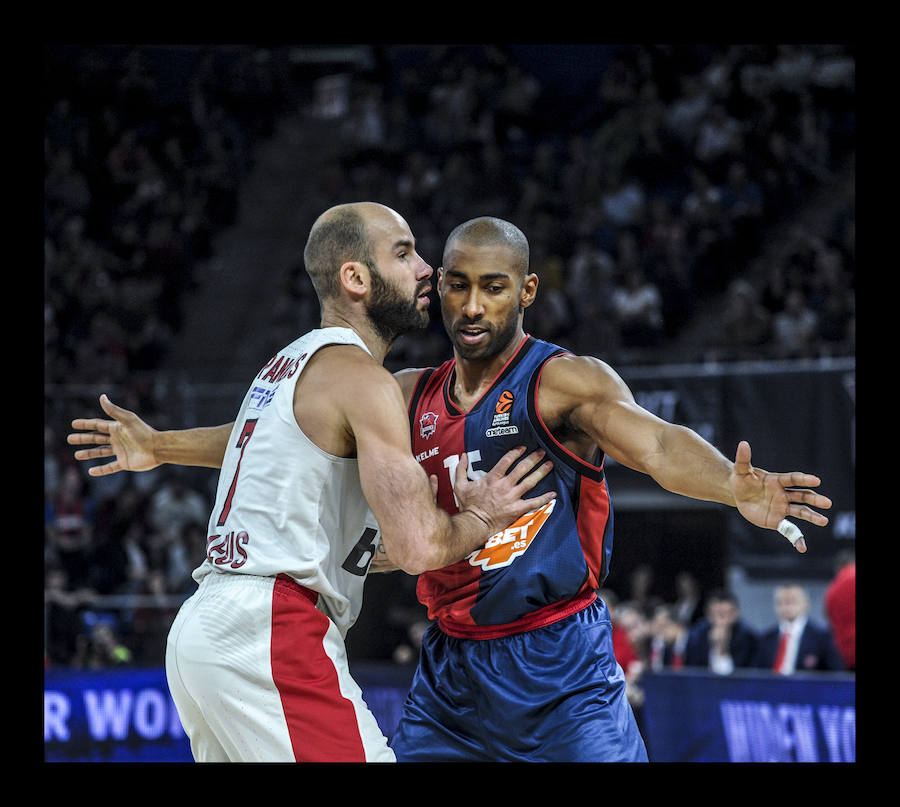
487	231
342	233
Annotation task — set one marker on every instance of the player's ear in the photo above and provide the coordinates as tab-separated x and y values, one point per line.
440	281
354	278
529	290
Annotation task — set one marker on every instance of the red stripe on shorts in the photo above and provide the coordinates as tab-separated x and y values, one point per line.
321	722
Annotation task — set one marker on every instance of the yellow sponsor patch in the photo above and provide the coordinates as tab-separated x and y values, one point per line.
504	547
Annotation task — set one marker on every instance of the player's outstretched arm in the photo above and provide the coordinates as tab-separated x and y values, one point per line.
136	446
600	404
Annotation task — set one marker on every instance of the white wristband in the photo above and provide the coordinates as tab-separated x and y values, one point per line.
790	531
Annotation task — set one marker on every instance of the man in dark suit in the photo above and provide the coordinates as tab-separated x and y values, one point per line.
796	643
721	642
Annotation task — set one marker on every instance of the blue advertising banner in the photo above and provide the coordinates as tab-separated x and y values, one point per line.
749	717
127	715
111	716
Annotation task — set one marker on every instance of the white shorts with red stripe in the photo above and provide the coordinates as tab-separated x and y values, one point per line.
259	674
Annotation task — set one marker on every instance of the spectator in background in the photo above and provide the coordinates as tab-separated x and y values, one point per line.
186	554
631	618
796	643
63	611
744	205
721	642
150	622
637	308
175	505
668	637
718	139
589	284
640	582
840	607
623	649
630	635
794	327
688	607
69	527
101	647
745	324
832	295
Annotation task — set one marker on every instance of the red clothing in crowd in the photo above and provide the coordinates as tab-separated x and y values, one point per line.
840	605
623	649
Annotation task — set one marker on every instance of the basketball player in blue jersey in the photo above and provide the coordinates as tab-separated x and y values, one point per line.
518	663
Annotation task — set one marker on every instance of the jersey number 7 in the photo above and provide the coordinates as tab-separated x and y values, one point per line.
246	433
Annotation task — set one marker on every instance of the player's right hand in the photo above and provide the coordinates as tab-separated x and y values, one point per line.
497	497
126	438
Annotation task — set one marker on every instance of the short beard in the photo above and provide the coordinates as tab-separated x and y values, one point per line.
497	341
389	313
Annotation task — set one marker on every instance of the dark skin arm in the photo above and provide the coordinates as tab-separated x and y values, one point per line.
587	404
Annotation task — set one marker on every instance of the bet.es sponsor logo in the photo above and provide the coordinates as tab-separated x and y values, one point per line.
503	548
502	413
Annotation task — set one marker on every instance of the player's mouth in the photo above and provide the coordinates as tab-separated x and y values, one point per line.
423	297
472	334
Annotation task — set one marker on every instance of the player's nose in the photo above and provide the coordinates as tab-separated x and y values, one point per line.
472	307
423	270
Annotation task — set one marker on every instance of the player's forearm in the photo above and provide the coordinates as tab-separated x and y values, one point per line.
203	446
418	535
688	465
437	542
382	562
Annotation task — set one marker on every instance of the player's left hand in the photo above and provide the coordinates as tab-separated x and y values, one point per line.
765	498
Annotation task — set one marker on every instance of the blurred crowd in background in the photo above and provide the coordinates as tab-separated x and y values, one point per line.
682	203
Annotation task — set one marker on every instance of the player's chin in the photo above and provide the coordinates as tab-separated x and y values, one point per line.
472	352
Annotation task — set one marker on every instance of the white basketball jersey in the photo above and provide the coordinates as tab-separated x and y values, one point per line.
285	506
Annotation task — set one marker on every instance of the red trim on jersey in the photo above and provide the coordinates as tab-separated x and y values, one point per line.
591	518
320	720
575	458
537	619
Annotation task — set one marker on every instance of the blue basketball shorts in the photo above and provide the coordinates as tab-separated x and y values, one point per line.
554	694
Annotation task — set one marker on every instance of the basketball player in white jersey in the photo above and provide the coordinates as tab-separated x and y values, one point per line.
318	458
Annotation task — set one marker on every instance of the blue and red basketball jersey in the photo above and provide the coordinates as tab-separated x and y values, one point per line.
548	564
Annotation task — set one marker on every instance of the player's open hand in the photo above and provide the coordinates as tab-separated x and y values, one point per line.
126	438
497	497
766	499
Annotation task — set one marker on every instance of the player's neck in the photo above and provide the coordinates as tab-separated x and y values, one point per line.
378	347
475	376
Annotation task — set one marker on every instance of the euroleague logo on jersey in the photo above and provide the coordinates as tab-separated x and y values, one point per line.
504	402
502	414
503	548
